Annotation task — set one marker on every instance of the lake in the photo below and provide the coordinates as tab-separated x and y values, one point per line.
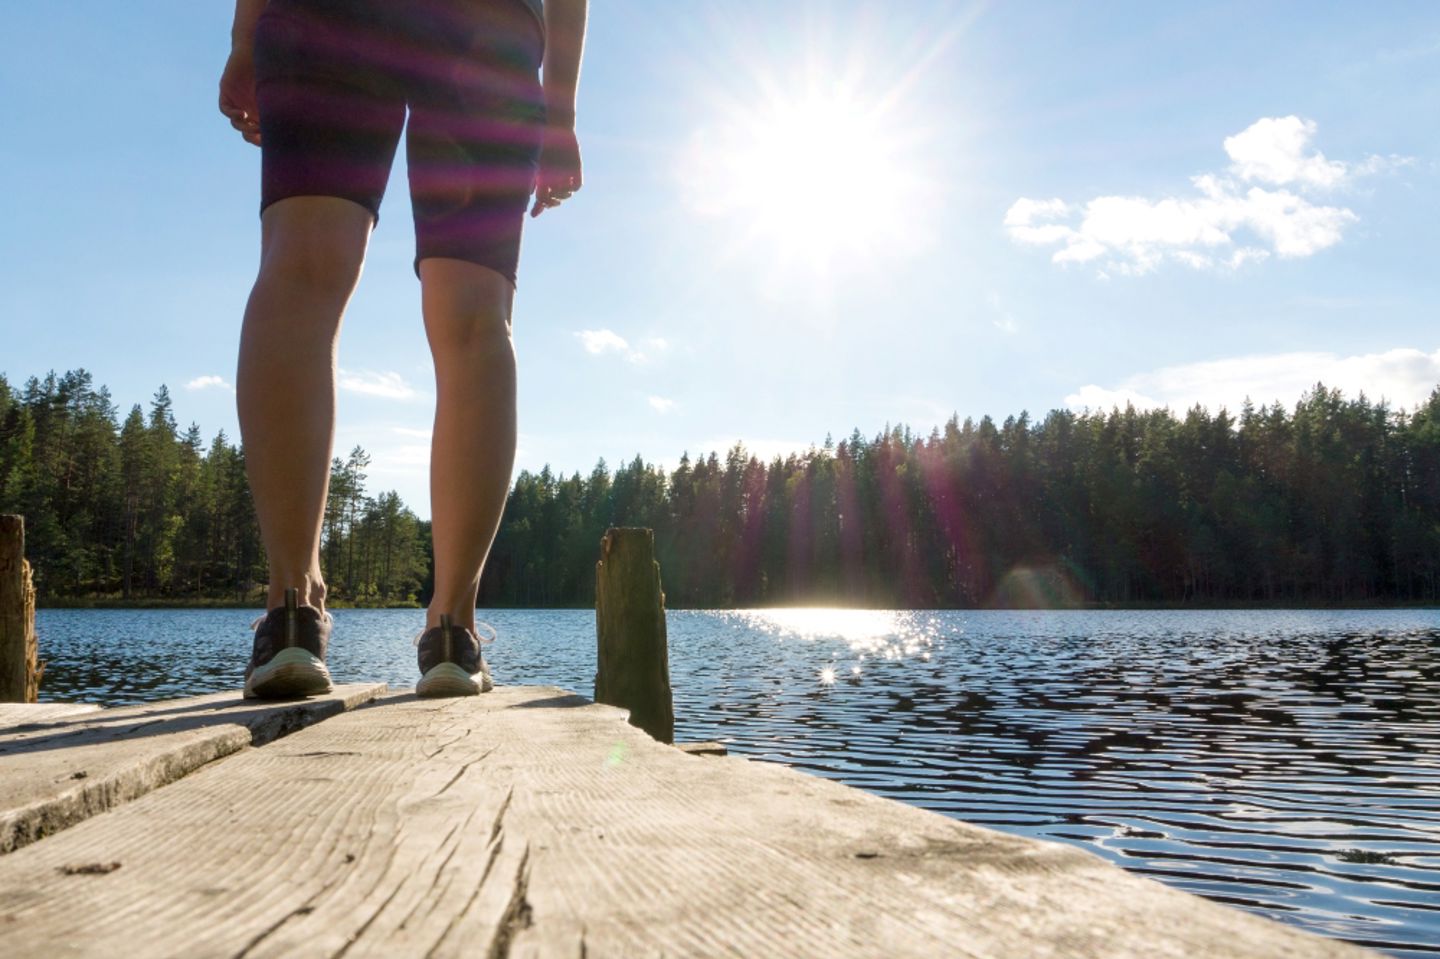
1286	762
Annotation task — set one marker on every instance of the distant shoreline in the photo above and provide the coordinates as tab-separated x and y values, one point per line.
171	604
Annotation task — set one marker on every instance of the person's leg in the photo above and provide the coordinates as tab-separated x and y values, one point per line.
472	141
312	249
467	321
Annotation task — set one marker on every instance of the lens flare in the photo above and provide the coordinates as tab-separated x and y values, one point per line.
814	177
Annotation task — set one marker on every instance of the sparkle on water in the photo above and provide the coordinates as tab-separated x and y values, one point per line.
1284	762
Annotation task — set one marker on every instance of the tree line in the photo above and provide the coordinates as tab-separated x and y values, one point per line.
136	509
1334	501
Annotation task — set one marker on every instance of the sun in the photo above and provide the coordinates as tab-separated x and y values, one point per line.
823	179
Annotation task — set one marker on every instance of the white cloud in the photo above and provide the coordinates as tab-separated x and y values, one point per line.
1095	397
388	385
661	405
599	342
1024	211
602	341
1405	377
209	382
1226	222
421	434
1277	150
1375	163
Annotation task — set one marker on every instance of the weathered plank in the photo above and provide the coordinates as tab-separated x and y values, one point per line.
59	769
21	714
19	656
530	823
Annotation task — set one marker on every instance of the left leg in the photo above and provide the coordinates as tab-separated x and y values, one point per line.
472	451
472	142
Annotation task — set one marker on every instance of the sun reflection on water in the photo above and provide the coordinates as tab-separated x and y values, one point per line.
870	634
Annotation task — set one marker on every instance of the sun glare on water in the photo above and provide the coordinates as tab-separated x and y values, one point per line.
876	633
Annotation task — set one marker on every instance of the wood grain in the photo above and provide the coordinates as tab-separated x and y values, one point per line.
58	769
530	823
19	657
632	668
23	714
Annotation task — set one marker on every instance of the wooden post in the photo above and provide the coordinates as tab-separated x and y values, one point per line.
19	657
633	659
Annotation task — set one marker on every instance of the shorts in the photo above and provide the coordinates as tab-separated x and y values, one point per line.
334	80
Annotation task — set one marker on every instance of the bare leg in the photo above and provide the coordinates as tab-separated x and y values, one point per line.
312	249
467	319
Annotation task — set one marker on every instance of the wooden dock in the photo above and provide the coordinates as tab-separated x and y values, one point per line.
526	822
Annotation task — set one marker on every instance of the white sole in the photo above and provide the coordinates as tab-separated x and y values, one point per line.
290	674
447	679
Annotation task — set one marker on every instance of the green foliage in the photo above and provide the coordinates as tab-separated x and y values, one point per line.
139	512
1335	502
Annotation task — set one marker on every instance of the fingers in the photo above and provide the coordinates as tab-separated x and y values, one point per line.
551	195
546	200
237	102
245	123
248	126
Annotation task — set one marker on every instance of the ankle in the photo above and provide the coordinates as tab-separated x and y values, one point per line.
311	589
465	620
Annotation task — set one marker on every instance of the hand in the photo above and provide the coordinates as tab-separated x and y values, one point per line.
237	95
559	175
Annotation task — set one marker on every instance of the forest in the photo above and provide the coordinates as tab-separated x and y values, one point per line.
1333	502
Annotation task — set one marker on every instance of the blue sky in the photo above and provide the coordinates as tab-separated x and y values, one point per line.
798	219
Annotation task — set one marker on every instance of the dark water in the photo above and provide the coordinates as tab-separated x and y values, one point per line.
1285	762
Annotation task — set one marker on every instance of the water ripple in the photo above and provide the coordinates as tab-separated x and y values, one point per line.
1284	762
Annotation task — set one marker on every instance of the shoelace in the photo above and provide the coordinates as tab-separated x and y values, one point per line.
484	640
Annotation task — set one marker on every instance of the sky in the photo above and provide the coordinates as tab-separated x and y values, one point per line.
798	220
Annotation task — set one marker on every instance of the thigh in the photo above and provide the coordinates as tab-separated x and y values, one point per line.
476	117
330	118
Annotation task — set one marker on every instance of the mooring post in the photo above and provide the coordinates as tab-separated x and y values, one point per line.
633	659
19	657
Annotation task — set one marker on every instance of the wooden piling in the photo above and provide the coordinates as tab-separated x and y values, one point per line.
19	656
633	659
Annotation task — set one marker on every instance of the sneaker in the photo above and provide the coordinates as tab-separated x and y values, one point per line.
450	661
289	656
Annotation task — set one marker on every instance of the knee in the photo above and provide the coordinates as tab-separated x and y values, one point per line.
467	313
306	266
471	337
314	247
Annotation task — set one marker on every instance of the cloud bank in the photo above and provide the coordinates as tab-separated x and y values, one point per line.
1263	204
1405	377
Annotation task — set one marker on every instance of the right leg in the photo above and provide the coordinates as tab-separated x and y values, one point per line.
312	250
